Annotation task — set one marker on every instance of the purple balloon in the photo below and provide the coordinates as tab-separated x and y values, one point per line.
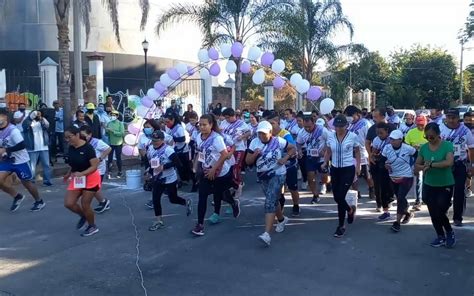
213	53
159	87
267	59
215	69
237	49
190	70
278	82
314	93
147	101
245	67
173	73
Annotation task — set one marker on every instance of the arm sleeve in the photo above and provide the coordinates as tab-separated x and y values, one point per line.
17	147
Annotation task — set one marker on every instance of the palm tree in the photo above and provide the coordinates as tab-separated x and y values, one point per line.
303	35
223	21
61	9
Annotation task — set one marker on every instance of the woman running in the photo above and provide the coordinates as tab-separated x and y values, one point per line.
436	159
267	152
341	148
215	175
398	158
84	179
163	162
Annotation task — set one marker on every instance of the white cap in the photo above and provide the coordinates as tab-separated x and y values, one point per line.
264	127
396	135
17	115
320	122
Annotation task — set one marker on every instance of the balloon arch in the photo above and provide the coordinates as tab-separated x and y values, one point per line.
209	66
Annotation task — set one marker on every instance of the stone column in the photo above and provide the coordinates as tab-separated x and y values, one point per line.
269	101
49	81
96	68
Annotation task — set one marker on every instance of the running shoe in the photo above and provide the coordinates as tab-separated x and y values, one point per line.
189	207
468	193
103	206
408	217
156	225
438	242
340	230
17	202
228	211
450	239
198	230
47	184
236	208
416	207
351	215
119	175
379	210
457	223
265	238
395	226
323	189
316	199
296	211
304	185
149	204
90	230
280	227
81	223
385	216
214	218
38	206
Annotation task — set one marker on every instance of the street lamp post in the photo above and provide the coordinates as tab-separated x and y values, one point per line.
145	45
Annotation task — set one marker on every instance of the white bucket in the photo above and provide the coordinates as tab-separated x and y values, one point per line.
351	198
134	179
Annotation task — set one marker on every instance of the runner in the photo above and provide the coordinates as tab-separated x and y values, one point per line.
102	150
399	163
213	169
392	117
14	160
163	161
314	138
436	159
341	148
84	180
409	122
267	152
302	155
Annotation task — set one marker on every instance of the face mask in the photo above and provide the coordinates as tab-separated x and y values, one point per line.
113	118
148	131
90	111
349	119
21	110
101	110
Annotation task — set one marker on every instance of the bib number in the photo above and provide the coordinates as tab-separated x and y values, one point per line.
79	182
201	157
154	163
314	152
457	150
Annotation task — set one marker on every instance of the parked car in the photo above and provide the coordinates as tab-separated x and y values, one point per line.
463	109
401	112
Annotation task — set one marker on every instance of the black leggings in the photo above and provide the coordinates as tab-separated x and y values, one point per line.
185	171
302	165
342	179
172	191
220	188
382	186
438	200
118	155
401	190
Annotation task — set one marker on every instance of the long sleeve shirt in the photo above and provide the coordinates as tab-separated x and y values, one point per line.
115	131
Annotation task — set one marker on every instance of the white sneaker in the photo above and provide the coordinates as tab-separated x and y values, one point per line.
265	238
281	225
323	190
304	186
468	193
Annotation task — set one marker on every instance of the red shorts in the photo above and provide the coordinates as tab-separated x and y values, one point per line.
93	182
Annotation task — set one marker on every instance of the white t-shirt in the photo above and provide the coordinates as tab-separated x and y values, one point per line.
178	132
162	155
39	142
235	130
11	136
394	119
315	141
360	128
253	131
99	147
342	153
404	128
400	160
380	144
191	129
209	152
270	153
461	138
292	127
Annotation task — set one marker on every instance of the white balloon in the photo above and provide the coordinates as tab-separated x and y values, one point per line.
231	67
182	68
203	56
152	94
204	73
254	53
278	66
295	78
258	77
165	80
130	139
226	50
326	106
303	86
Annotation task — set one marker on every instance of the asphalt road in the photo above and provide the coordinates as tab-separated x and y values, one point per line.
42	254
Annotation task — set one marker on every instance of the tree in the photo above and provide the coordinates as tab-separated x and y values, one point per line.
222	21
61	10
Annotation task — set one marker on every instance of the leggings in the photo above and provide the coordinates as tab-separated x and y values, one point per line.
382	186
342	179
220	188
172	190
438	200
117	149
185	171
302	165
401	190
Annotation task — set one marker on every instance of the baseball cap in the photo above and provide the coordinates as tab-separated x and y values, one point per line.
157	135
17	115
421	119
264	127
396	135
90	106
340	121
320	122
452	112
114	112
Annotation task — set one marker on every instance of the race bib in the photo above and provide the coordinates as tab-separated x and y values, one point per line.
155	163
458	149
314	152
201	157
79	182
